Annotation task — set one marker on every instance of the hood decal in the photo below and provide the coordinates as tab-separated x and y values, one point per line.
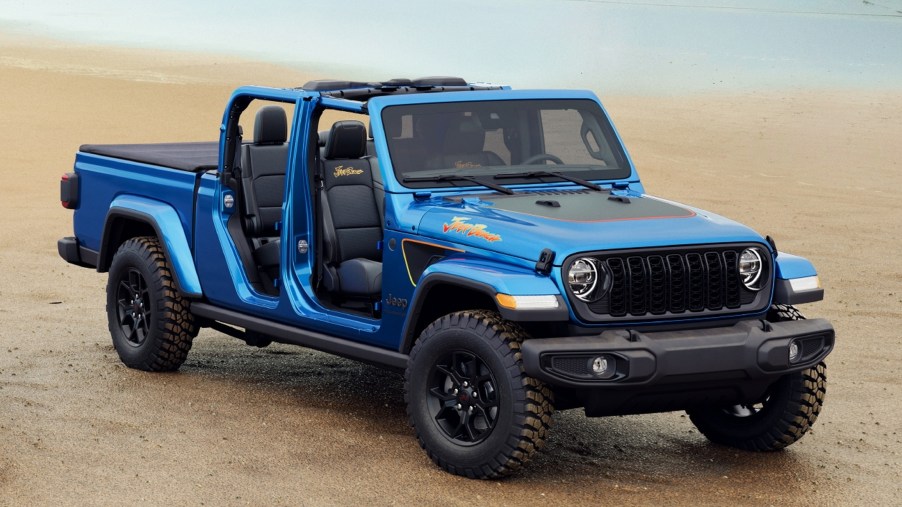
461	225
520	227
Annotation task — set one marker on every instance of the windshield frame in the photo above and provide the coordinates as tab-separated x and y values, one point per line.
387	110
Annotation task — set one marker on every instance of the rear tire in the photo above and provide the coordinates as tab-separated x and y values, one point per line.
474	410
150	323
786	413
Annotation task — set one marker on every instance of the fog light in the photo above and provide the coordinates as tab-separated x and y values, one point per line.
794	352
603	366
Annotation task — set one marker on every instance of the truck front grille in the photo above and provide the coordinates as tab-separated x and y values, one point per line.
679	282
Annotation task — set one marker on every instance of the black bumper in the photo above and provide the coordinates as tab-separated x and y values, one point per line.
669	370
73	253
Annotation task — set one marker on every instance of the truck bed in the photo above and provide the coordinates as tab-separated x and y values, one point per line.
192	157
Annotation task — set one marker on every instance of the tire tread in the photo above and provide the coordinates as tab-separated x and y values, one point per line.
531	425
175	323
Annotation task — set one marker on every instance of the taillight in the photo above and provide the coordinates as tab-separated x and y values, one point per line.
69	191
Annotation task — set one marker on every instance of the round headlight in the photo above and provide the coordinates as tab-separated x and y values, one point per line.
751	268
583	277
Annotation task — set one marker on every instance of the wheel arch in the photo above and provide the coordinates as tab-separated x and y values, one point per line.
452	293
131	217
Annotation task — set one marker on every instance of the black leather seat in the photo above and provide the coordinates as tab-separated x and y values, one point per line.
263	166
463	146
352	225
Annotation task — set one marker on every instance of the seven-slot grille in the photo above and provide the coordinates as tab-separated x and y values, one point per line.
674	282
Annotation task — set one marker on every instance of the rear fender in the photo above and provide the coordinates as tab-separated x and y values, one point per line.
168	227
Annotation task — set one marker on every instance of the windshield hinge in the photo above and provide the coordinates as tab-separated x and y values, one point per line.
546	260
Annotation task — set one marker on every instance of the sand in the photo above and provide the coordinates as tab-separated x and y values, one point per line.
818	170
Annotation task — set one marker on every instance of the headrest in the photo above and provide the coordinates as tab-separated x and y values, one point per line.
270	126
347	139
465	136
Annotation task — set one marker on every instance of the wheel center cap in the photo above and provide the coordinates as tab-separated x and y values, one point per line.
465	395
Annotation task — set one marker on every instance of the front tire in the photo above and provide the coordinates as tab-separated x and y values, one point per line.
473	408
789	408
150	323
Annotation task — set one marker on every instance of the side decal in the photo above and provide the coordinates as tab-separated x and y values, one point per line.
419	255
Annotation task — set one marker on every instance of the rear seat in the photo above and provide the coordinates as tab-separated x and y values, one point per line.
263	166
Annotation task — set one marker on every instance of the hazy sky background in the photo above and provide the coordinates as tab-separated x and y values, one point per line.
609	46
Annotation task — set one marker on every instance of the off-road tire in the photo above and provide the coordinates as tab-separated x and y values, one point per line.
524	404
789	409
150	323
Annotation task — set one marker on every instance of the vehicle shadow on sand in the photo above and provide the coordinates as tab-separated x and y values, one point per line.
633	453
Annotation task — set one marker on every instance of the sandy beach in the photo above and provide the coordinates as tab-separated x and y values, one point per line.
819	170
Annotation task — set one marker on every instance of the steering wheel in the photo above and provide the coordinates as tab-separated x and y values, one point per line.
541	157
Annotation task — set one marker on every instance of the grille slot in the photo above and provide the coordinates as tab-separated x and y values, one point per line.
677	266
657	285
696	282
638	285
732	298
685	282
715	280
619	287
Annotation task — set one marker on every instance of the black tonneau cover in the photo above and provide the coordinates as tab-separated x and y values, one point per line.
193	157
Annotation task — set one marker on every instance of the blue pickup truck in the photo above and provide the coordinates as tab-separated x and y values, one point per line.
496	245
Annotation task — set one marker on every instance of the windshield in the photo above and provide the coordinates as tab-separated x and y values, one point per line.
491	139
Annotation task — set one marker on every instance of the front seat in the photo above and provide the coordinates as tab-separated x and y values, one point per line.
352	226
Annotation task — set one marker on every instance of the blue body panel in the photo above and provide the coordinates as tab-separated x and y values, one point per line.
103	179
166	221
164	196
195	228
792	266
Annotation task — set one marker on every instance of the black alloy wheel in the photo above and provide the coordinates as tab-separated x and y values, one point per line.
134	313
464	397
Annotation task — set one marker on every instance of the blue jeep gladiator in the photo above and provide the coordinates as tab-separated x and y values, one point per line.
496	245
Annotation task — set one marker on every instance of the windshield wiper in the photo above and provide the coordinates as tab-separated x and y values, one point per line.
544	174
458	177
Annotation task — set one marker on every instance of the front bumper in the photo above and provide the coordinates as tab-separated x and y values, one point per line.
674	370
738	361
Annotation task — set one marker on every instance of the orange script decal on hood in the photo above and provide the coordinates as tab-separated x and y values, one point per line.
459	224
